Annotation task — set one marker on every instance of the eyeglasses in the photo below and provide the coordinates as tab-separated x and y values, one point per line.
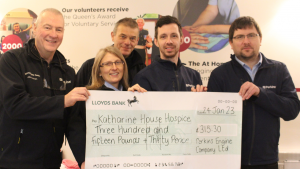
250	36
110	64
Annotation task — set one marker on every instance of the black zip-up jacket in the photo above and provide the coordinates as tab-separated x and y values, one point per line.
164	75
261	124
33	119
134	64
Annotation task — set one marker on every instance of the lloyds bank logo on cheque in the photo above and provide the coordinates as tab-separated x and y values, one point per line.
107	103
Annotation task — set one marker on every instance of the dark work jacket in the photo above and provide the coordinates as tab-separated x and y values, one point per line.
134	64
261	124
163	75
33	119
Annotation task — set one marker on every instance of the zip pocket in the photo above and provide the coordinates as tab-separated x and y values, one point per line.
20	136
19	142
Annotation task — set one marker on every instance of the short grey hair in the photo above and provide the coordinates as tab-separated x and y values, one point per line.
126	22
141	19
52	10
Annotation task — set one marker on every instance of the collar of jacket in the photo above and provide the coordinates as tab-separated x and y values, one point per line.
103	87
170	65
58	58
134	59
265	62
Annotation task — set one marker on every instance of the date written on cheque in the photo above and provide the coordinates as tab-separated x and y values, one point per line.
227	101
217	111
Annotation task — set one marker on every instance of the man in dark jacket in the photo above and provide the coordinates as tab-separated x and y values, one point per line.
168	73
36	91
267	90
125	37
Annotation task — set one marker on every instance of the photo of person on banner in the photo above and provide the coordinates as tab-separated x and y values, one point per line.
23	34
208	22
2	38
145	41
18	22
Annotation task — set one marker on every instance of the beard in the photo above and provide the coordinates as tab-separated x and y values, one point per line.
169	55
248	56
244	55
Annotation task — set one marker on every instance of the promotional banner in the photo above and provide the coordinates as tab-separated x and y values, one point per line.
159	129
89	23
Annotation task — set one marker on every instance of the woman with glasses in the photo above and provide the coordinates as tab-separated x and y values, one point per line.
110	72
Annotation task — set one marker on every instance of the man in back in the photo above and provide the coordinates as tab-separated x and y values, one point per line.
125	37
168	73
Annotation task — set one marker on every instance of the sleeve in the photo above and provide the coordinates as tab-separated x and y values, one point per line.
213	2
133	72
285	104
83	75
214	83
198	77
143	81
17	102
76	132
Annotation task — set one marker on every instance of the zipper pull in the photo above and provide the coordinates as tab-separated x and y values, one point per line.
21	133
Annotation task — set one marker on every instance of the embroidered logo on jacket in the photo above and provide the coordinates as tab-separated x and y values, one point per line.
32	76
60	79
189	85
269	87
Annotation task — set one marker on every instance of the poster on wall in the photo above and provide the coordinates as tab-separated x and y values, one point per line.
154	129
88	27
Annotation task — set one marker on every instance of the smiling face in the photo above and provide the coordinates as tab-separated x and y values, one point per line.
125	39
140	23
246	49
111	74
48	33
17	28
168	40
